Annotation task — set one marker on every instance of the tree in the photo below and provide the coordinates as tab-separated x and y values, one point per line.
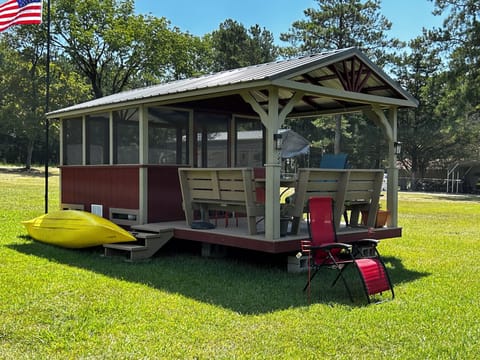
234	46
460	37
104	40
338	24
426	134
23	98
261	48
189	56
116	49
23	89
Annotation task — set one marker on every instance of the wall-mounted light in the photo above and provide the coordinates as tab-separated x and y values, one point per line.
397	147
277	138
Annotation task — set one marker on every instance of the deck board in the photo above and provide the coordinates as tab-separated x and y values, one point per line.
237	236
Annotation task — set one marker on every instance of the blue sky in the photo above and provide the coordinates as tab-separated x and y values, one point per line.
203	16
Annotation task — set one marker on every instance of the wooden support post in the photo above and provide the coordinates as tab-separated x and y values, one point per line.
272	119
392	186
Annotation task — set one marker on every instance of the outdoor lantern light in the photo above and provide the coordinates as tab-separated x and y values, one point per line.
397	147
278	141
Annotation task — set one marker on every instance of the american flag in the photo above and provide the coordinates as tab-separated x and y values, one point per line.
20	12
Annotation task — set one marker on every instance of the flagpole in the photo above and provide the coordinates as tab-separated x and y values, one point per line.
47	106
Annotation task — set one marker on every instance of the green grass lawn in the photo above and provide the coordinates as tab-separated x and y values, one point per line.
57	303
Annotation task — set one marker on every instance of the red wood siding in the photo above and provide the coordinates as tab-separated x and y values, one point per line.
164	194
110	186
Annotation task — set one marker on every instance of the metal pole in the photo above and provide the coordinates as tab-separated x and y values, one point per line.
47	106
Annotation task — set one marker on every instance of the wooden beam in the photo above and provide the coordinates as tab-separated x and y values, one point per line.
377	88
378	117
344	110
320	79
247	97
289	107
309	101
341	94
361	83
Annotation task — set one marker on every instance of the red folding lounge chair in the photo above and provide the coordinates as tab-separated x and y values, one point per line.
325	251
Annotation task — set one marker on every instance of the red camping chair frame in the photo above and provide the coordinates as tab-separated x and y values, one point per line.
324	250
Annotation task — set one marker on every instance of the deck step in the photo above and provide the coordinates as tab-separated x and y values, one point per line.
125	247
146	246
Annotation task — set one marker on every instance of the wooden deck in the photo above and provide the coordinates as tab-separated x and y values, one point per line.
236	236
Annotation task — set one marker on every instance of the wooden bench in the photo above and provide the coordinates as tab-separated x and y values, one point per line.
363	194
351	189
224	189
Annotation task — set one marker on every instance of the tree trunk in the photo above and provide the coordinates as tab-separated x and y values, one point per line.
413	180
338	134
414	174
28	161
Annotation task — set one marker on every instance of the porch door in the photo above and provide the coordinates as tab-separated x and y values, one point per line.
212	140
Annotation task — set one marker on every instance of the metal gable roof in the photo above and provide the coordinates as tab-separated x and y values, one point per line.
319	69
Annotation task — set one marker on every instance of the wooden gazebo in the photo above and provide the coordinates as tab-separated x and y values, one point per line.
121	153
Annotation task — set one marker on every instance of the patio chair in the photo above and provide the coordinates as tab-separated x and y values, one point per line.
334	161
325	251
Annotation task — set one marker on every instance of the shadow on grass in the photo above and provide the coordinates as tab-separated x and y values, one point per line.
445	197
32	172
462	197
242	281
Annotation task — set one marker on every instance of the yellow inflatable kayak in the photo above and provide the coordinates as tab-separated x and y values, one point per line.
75	229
